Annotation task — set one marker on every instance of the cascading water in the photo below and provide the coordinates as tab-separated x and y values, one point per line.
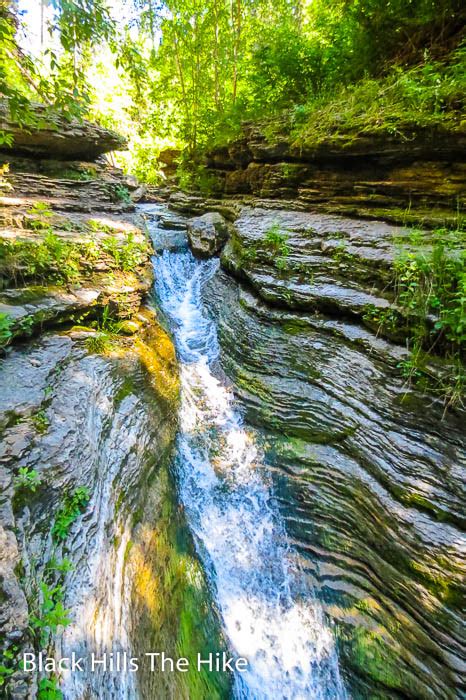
269	615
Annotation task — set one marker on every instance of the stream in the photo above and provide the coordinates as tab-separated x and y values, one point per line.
268	612
269	616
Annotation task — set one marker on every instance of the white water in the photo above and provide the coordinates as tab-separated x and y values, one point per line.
269	616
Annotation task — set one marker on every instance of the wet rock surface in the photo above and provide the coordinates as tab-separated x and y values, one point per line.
208	234
89	386
77	420
369	472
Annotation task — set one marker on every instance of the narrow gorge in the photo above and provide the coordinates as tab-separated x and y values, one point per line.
211	437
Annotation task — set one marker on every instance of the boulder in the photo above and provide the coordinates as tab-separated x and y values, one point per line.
208	233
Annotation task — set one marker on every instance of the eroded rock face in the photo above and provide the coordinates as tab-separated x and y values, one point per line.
56	137
369	473
88	416
208	233
78	420
418	180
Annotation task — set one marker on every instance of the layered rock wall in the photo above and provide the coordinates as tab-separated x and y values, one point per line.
420	179
369	471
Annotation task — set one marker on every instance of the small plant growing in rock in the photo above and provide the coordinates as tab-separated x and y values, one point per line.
52	613
281	263
40	421
48	689
98	344
41	209
63	566
73	506
6	323
431	282
27	480
120	193
6	668
126	255
275	240
41	215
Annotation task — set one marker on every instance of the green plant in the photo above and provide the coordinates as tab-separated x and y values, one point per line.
119	193
41	215
48	689
51	259
40	209
52	613
63	566
6	669
430	289
341	255
73	506
6	323
99	226
40	421
27	479
281	263
127	254
387	319
26	324
100	343
275	240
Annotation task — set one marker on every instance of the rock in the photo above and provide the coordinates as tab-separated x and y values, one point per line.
187	204
168	159
208	234
370	479
369	472
128	327
110	425
417	180
58	137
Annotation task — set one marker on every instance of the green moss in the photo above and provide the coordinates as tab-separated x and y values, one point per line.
374	655
295	327
177	610
127	388
252	384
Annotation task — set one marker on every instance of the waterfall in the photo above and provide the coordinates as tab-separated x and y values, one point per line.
269	615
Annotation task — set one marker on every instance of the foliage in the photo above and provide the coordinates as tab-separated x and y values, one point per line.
73	506
57	78
62	567
27	480
100	343
51	259
48	689
187	73
275	240
429	283
433	282
56	260
41	210
127	255
6	668
6	323
52	614
40	421
119	193
427	96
